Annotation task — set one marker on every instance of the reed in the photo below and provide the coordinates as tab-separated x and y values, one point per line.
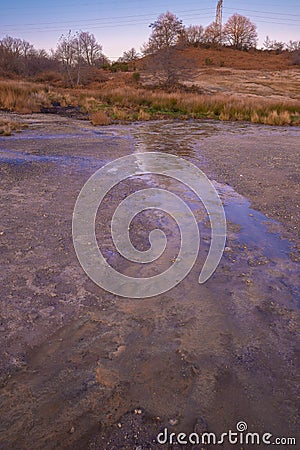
100	118
123	102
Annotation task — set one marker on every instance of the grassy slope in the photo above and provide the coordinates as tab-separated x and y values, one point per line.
257	87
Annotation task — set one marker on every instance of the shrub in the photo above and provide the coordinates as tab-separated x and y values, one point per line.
143	115
296	57
208	62
49	76
136	76
100	118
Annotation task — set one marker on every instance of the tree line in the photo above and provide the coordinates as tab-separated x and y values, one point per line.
238	32
80	52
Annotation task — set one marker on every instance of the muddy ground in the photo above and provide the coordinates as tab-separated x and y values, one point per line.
84	369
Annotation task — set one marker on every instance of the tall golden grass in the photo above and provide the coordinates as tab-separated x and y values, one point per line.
100	118
22	97
127	102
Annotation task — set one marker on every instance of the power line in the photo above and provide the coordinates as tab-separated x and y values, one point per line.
112	2
98	3
107	24
287	21
265	12
150	16
118	21
100	27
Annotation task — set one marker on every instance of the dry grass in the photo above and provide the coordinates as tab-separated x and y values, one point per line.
27	97
228	57
146	104
7	127
143	115
22	97
122	102
100	118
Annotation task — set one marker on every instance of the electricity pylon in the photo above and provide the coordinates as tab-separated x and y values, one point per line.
219	18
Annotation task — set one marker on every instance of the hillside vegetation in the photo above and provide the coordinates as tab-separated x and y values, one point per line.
217	83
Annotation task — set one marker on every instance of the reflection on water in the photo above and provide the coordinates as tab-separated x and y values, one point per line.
90	148
16	158
253	224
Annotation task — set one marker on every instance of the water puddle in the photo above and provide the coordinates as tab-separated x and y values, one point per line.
96	146
18	158
254	226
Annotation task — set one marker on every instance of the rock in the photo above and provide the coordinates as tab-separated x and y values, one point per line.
173	422
200	426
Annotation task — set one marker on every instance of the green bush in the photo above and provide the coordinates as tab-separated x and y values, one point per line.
136	76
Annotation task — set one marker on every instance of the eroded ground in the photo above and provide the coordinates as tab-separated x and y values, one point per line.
280	85
82	368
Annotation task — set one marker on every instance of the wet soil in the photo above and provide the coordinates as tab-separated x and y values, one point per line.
84	369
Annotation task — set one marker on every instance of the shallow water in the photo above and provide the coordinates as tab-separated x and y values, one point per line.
76	356
183	139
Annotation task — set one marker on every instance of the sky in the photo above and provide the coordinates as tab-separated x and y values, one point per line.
122	24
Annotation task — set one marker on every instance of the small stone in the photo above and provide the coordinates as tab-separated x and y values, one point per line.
200	426
71	430
227	249
119	425
137	411
173	422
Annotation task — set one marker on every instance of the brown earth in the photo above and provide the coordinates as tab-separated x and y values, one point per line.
83	368
198	57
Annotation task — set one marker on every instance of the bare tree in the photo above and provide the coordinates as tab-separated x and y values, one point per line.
267	43
12	45
15	54
276	46
91	50
194	35
16	47
165	33
213	35
66	53
293	46
240	32
162	48
129	55
77	51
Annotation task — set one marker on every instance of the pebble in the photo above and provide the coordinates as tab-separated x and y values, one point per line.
173	422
